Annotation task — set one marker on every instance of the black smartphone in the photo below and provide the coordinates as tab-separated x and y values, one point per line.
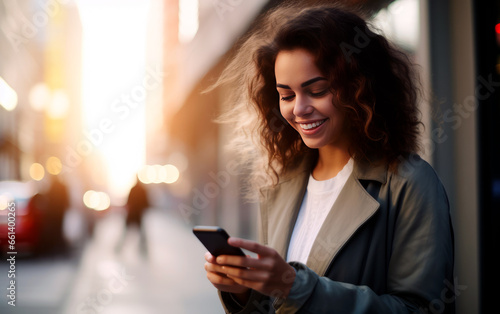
214	238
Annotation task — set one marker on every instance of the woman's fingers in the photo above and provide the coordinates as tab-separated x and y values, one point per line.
238	261
224	283
229	260
216	275
264	260
215	268
266	273
209	257
245	273
251	246
218	279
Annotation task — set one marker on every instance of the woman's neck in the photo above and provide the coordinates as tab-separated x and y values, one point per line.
331	161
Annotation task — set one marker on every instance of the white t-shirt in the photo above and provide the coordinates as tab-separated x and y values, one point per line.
317	203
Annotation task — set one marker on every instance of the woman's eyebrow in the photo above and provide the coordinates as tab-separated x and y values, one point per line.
283	86
306	83
309	82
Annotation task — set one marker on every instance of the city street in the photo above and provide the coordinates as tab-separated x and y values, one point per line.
101	279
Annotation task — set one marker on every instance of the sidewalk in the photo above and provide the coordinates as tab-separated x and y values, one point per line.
170	280
42	284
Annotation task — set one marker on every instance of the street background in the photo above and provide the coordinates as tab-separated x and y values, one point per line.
99	96
97	279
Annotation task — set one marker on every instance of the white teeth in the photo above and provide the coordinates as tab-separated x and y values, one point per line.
312	125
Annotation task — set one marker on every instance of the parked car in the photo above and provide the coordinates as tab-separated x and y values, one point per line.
20	217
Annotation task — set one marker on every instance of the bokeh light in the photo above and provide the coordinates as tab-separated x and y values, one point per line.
159	174
8	96
155	174
172	174
53	165
98	201
39	96
37	172
143	175
59	105
5	199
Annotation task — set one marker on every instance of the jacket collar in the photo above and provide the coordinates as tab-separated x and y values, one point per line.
353	207
363	170
372	171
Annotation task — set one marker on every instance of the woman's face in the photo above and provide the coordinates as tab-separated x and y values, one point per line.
306	100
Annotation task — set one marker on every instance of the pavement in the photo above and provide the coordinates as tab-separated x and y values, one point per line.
168	278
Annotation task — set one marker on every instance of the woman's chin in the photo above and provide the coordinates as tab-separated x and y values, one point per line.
312	144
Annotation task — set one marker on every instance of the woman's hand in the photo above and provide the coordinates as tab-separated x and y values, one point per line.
268	274
221	281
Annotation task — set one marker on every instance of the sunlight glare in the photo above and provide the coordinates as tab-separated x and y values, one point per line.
114	64
188	20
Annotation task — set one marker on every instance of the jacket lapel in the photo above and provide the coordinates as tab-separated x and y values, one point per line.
280	207
353	207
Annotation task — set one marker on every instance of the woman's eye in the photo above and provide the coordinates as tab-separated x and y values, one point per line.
319	94
287	98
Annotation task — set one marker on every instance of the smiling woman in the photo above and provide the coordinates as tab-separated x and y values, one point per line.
306	102
354	221
114	56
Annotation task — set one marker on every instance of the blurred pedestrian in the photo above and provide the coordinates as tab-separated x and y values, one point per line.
57	204
137	204
352	219
36	210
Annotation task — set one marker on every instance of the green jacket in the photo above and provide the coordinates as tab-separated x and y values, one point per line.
385	247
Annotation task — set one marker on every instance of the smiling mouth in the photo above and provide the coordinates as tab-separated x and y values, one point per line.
310	126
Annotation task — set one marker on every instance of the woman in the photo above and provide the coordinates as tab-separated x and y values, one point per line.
353	221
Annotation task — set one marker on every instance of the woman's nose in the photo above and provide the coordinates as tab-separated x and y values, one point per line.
302	106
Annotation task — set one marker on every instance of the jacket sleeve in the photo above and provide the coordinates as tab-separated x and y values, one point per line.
314	294
420	270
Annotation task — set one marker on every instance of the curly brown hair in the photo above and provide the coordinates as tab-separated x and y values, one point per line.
373	84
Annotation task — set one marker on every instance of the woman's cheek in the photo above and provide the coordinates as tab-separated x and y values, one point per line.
286	115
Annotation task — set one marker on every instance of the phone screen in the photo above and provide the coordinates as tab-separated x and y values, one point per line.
215	240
